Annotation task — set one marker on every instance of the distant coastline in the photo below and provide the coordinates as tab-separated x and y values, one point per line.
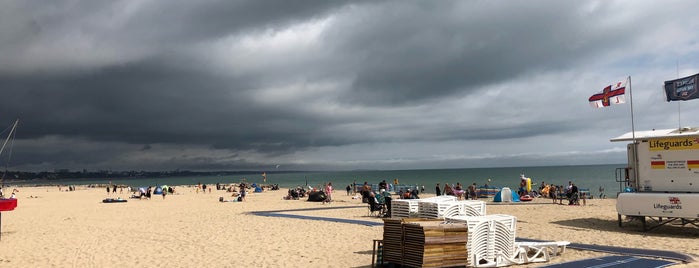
58	176
28	177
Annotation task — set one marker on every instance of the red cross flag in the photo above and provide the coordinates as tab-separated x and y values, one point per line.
612	94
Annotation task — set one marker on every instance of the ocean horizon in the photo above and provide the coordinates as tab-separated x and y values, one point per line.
585	176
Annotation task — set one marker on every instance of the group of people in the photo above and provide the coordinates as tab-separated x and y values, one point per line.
295	193
556	193
471	192
319	194
378	201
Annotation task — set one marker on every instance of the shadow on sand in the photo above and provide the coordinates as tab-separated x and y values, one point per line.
631	226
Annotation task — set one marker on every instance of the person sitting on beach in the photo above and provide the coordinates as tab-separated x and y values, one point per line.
414	194
574	195
380	198
243	192
289	195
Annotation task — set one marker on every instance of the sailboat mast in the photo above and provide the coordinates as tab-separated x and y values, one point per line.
9	136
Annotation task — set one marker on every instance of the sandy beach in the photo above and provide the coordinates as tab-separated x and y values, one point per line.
75	229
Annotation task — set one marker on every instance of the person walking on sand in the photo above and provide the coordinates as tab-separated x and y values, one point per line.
438	192
349	188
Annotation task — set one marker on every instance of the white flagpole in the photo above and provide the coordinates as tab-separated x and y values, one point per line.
679	111
633	130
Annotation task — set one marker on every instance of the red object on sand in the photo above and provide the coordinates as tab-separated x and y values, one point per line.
8	204
526	198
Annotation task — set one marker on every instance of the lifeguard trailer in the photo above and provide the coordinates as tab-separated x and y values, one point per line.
661	181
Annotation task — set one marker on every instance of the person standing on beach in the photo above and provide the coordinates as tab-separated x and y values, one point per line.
349	187
328	192
472	191
438	192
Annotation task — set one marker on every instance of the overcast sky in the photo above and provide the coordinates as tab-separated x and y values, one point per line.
335	85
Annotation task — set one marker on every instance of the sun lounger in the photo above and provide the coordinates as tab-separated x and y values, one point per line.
541	251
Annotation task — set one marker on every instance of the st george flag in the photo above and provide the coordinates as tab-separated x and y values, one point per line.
682	89
612	94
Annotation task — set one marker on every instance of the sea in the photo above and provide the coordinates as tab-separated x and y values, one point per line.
592	177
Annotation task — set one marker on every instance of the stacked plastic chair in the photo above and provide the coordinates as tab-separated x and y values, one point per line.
506	252
491	240
437	209
473	208
405	208
480	251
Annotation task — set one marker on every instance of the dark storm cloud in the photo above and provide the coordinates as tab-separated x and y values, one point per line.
238	84
433	49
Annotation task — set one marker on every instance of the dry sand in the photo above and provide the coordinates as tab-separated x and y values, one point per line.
75	229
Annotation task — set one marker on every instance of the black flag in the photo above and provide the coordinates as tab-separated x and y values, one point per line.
682	89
